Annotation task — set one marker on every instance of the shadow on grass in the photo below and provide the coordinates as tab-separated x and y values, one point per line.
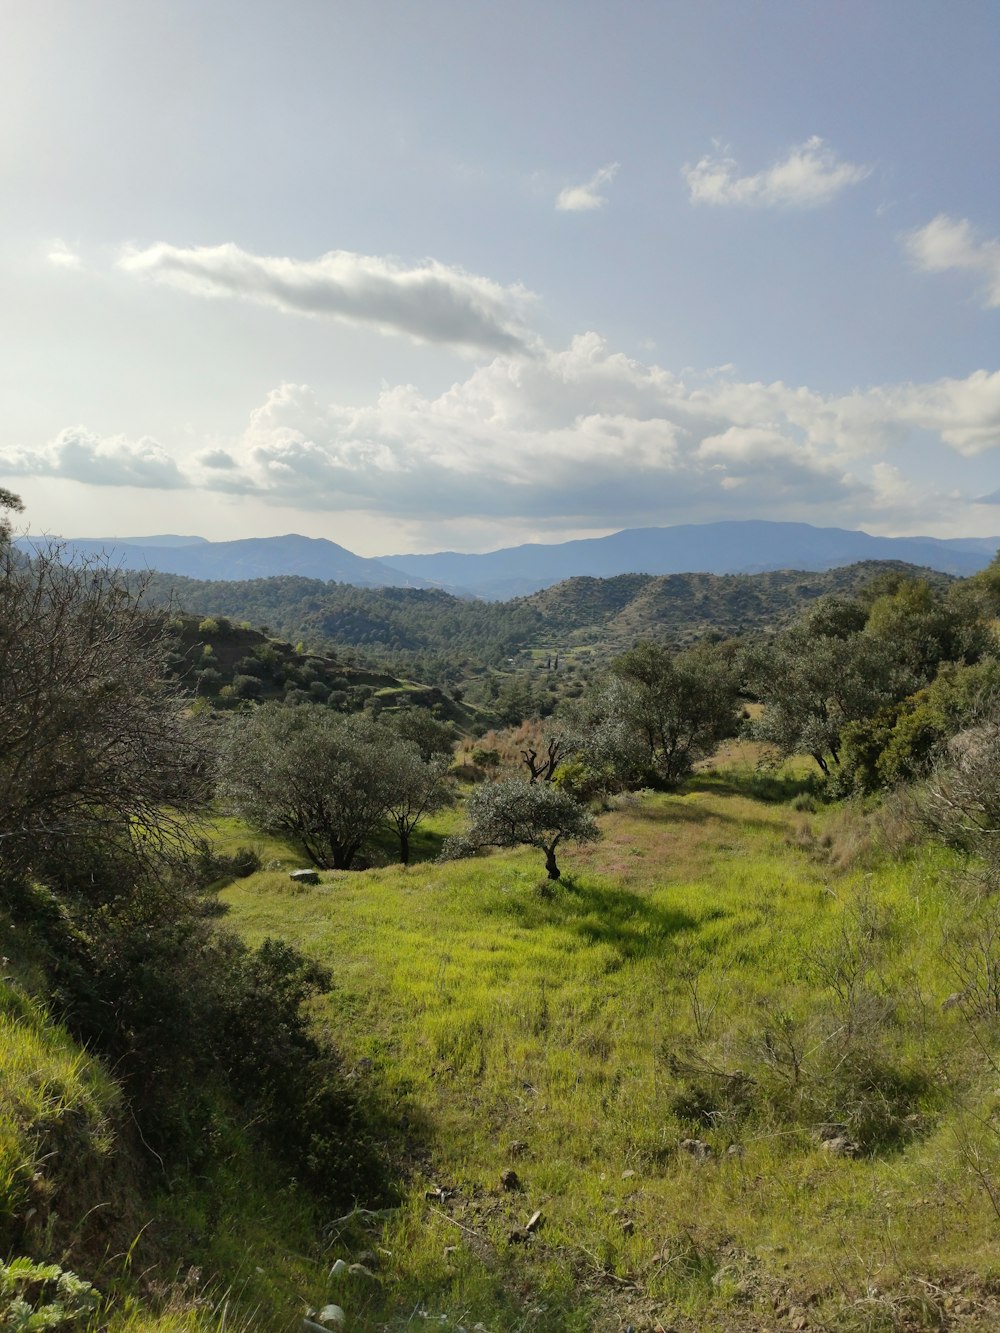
600	914
681	812
771	788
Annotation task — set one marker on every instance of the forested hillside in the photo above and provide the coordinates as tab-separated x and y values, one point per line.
443	633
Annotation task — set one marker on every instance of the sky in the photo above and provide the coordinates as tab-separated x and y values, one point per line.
458	275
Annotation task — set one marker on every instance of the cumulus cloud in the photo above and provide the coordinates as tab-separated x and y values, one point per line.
429	302
810	175
950	243
585	198
77	454
577	437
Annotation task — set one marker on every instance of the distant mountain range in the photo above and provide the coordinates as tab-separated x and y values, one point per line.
747	547
251	558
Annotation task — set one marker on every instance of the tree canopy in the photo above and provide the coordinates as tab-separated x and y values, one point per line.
329	780
514	813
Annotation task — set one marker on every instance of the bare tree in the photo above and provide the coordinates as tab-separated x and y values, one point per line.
557	747
93	745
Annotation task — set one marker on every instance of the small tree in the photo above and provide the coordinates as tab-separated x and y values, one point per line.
513	813
558	746
420	787
12	502
430	736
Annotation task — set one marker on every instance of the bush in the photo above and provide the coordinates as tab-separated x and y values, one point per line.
247	687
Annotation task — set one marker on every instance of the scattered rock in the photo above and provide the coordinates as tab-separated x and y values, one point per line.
369	1258
439	1193
518	1235
359	1270
510	1180
627	1175
841	1146
518	1148
304	876
338	1268
955	998
331	1316
698	1148
628	1226
534	1222
734	1150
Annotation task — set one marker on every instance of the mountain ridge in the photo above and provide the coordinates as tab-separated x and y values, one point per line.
244	558
747	546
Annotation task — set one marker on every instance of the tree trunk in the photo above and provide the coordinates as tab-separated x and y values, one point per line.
824	766
550	862
404	847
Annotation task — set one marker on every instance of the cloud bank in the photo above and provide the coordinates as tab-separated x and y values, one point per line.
430	302
583	436
78	454
809	176
952	243
585	198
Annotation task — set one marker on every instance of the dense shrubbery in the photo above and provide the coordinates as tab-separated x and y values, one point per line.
871	687
100	869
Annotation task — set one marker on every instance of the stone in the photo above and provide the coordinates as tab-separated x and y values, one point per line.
841	1146
304	876
511	1181
534	1222
698	1149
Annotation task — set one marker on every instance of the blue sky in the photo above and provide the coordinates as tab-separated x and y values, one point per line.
415	276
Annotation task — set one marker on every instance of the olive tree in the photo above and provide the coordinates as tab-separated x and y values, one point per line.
514	813
321	777
419	787
661	711
813	686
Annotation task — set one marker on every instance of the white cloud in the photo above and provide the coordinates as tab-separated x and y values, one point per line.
810	175
950	243
964	413
63	256
585	198
579	437
430	302
77	454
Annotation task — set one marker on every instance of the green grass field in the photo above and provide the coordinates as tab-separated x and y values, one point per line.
715	1057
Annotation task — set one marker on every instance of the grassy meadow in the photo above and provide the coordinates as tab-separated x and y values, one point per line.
718	1058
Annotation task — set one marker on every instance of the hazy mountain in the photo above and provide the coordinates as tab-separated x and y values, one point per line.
251	558
711	548
748	547
161	539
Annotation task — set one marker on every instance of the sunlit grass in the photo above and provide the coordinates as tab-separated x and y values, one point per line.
490	1014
